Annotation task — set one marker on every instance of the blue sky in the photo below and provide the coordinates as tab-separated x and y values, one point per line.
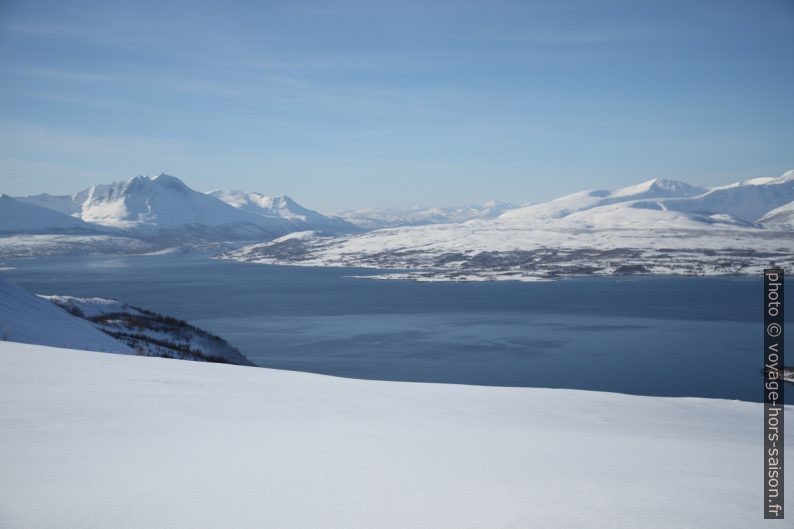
355	104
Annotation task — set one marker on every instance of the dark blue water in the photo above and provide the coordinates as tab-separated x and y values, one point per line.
651	336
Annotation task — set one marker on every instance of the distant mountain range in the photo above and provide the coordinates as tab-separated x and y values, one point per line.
149	213
163	206
747	202
296	217
375	218
657	226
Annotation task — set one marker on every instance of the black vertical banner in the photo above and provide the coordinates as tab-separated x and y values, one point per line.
773	394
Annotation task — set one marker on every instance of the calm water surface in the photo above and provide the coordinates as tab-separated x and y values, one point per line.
651	336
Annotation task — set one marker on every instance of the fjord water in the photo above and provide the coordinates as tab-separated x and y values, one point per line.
668	336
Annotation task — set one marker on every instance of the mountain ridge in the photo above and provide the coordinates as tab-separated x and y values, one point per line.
655	227
378	218
164	207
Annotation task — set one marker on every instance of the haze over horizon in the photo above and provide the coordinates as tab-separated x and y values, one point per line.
358	104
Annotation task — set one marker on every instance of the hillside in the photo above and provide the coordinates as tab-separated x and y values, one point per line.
29	319
21	217
133	442
105	325
151	334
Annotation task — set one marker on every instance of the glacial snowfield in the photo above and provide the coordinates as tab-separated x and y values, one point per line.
656	227
93	440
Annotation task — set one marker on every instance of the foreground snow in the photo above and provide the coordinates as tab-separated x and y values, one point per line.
92	440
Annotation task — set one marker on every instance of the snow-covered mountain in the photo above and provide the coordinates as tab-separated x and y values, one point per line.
71	205
747	201
374	218
164	206
658	226
295	216
165	210
104	325
21	217
583	200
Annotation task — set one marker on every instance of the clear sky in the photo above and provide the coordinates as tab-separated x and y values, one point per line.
345	104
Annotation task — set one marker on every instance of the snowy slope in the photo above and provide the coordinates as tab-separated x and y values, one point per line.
21	217
131	442
97	324
29	319
375	218
640	229
747	201
602	242
294	216
71	205
583	200
151	334
781	218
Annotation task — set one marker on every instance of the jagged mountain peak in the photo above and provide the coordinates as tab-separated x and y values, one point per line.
146	203
143	183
